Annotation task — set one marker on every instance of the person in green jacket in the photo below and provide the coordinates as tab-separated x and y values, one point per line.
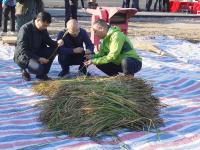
116	53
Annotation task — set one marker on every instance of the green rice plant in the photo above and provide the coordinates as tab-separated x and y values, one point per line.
88	106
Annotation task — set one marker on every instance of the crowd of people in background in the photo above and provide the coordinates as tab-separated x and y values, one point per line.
25	10
20	10
163	5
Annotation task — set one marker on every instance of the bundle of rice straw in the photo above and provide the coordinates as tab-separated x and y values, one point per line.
86	107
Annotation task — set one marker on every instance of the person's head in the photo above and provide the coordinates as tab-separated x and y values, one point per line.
73	27
100	28
42	20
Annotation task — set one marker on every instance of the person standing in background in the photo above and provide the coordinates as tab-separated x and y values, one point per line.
92	4
71	7
135	4
26	10
159	5
166	7
126	4
0	13
8	7
148	5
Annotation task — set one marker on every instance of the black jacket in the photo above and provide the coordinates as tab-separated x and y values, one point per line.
29	41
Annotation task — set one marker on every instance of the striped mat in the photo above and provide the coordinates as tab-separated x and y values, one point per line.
176	81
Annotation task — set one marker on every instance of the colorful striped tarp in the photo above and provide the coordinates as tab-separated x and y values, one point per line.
175	79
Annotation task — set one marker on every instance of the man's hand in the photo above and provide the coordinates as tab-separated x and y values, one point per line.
87	63
87	57
88	52
60	43
78	50
43	60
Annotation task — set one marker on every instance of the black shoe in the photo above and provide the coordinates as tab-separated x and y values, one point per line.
63	73
43	77
84	71
25	75
87	74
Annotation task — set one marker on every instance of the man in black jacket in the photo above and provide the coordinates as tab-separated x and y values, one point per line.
31	50
73	52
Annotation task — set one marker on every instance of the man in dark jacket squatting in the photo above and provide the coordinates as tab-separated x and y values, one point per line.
73	52
31	51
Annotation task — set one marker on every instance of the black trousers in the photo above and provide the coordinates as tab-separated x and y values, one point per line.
159	5
166	5
71	7
6	11
135	4
129	66
0	14
66	60
126	4
148	5
35	67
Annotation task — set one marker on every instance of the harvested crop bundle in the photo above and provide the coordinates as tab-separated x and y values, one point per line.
85	107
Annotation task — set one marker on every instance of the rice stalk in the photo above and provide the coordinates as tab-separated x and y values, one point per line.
88	106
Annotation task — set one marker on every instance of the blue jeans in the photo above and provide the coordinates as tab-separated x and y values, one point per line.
128	66
35	67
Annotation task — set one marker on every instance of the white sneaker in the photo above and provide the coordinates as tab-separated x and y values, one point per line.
3	33
11	33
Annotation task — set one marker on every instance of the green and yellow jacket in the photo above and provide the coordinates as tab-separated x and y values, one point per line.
115	47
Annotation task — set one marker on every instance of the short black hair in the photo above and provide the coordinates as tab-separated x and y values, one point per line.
44	16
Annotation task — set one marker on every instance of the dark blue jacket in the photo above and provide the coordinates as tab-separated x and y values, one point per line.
71	42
